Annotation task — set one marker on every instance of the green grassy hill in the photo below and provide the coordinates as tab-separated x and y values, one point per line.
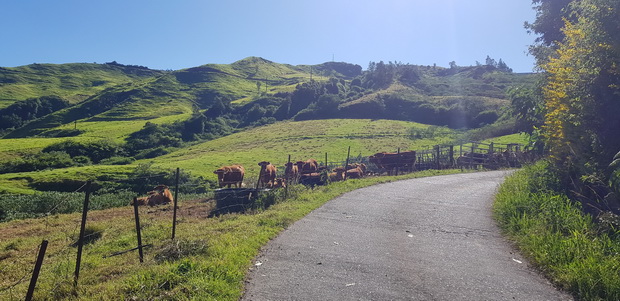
273	143
176	113
73	82
175	93
301	140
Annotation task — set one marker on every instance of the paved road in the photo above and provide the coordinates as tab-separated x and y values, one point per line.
421	239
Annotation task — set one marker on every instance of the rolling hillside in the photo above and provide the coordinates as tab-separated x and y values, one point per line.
301	140
74	82
172	118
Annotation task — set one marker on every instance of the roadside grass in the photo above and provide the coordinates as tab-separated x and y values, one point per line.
551	230
208	261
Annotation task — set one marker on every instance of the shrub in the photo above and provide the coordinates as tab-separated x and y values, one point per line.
82	160
117	161
39	161
96	150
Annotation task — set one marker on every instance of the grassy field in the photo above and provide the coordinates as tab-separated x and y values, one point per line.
573	251
208	261
301	140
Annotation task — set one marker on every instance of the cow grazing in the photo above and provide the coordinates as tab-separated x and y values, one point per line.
230	175
291	172
337	175
279	183
158	196
267	174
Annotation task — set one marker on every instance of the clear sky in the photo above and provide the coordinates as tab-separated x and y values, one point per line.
163	34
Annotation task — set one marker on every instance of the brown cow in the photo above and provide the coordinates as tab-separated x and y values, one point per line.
308	166
291	173
404	161
355	173
230	175
337	175
311	179
361	166
267	174
158	196
279	183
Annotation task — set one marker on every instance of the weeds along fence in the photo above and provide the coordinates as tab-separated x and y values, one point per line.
70	240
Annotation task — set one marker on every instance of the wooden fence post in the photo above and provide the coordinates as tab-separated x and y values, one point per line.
451	154
137	217
398	167
326	163
176	202
437	152
287	179
78	261
347	163
37	269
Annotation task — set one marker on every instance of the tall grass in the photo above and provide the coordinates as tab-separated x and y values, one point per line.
567	245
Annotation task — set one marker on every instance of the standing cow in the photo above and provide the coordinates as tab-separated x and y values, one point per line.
267	174
230	175
308	166
291	172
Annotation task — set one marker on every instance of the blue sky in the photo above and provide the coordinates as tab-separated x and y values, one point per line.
187	33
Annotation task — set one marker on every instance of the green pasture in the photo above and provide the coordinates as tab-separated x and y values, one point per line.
301	140
74	82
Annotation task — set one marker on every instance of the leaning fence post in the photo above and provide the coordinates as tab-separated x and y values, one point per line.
37	269
78	261
176	198
137	217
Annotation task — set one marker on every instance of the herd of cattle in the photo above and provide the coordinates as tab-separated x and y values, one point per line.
309	172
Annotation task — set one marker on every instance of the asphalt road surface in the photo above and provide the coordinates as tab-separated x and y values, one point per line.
421	239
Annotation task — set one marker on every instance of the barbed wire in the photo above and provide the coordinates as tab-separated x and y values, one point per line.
29	253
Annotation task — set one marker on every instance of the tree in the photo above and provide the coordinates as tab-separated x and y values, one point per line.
581	93
490	62
548	25
501	66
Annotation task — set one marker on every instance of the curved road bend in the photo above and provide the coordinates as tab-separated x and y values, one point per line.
421	239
